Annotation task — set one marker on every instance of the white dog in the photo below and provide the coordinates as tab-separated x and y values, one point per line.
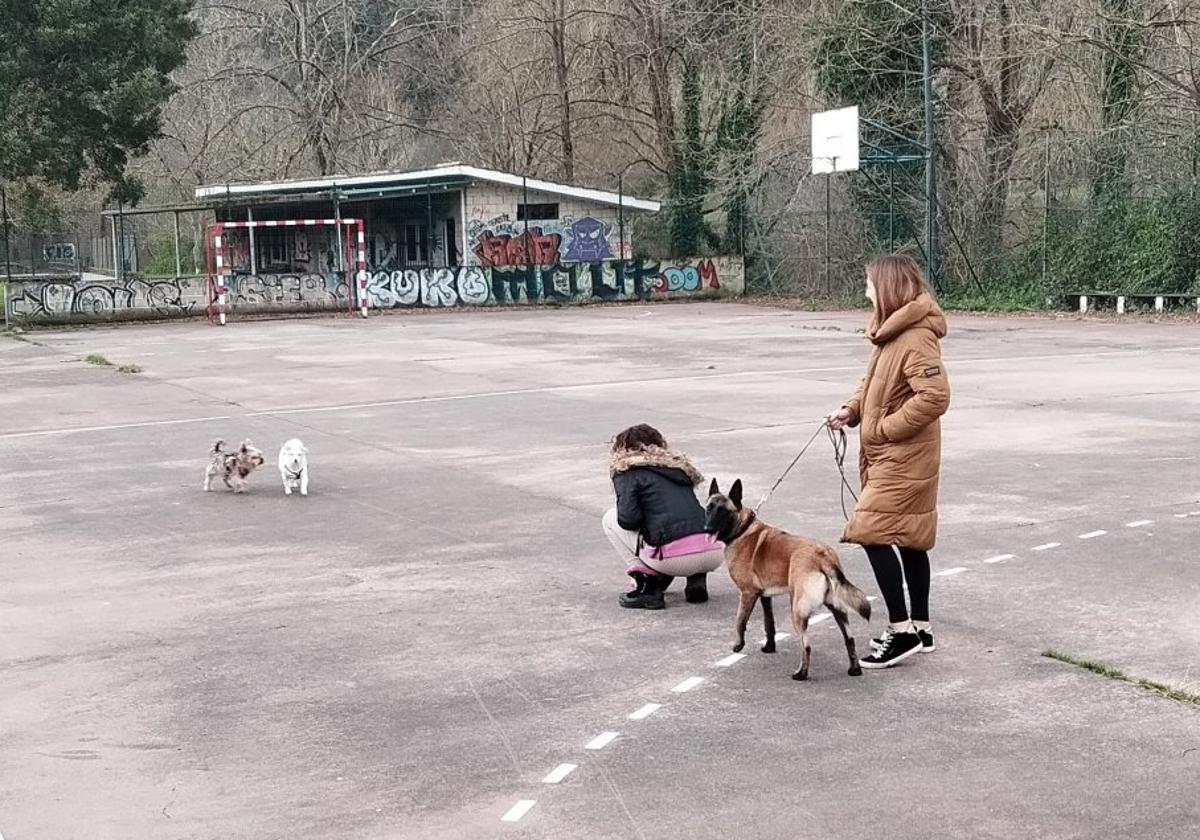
293	466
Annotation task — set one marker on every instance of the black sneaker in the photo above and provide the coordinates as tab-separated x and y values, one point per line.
926	637
696	591
895	649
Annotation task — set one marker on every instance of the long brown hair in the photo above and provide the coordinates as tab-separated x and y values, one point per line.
898	281
638	437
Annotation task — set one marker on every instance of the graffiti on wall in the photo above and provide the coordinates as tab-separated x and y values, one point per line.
531	247
50	299
502	242
607	280
312	290
61	299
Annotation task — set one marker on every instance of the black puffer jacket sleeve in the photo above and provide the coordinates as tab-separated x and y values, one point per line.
629	507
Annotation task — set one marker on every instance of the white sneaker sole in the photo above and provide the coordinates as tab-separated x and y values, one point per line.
879	666
876	647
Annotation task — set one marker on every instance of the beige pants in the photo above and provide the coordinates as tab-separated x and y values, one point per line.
626	544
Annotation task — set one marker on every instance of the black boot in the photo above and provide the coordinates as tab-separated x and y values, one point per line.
649	596
696	591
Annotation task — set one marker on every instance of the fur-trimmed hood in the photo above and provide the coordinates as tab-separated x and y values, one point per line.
653	457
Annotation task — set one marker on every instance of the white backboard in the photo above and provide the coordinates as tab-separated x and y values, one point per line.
835	141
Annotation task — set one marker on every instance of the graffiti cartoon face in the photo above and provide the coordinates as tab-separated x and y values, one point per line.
589	241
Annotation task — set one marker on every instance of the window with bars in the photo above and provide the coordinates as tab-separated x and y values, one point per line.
537	212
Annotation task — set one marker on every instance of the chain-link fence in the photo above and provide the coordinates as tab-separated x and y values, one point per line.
1054	214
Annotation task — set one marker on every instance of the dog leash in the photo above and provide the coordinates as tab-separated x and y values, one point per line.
838	441
795	461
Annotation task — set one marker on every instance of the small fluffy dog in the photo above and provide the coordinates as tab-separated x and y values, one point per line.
293	466
233	467
765	561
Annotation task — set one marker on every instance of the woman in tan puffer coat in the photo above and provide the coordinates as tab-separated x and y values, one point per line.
897	408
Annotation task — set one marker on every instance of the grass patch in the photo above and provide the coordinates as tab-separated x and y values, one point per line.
129	369
97	359
1162	689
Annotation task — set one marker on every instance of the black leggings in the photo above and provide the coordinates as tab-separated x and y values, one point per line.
891	580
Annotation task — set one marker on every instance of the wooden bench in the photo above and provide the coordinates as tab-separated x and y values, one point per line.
1160	299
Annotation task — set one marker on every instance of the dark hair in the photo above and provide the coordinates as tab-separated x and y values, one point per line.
638	437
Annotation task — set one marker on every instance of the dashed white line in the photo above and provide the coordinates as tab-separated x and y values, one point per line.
602	740
1182	515
645	711
1091	535
1139	523
1046	546
956	570
519	810
689	684
559	773
999	558
730	660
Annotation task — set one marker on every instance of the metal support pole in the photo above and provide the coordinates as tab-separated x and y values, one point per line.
931	202
251	240
7	241
525	215
621	214
178	263
428	226
1046	215
32	256
339	266
892	209
112	224
121	226
828	217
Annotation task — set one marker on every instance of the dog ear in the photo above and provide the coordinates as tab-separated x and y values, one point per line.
735	494
713	489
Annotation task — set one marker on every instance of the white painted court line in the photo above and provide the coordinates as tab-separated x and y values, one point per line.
1139	523
817	619
602	740
957	570
1182	515
689	684
648	709
1046	546
519	810
114	427
999	558
1091	535
731	659
559	773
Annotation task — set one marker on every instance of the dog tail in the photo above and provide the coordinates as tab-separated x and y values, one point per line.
846	595
217	446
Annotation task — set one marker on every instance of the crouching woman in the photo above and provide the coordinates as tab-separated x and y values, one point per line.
657	526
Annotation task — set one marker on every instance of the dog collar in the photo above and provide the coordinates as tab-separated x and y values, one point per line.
750	521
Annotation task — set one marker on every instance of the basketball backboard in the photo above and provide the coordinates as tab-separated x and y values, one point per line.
835	141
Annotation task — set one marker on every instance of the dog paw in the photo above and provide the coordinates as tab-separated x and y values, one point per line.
800	676
855	671
738	647
303	492
769	647
287	491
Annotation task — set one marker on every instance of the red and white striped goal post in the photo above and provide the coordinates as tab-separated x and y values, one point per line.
220	288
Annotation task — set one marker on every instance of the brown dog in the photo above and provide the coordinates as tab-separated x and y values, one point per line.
765	561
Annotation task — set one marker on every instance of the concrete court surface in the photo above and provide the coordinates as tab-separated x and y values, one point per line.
411	650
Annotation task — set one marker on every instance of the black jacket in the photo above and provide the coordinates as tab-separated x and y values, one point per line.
655	495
